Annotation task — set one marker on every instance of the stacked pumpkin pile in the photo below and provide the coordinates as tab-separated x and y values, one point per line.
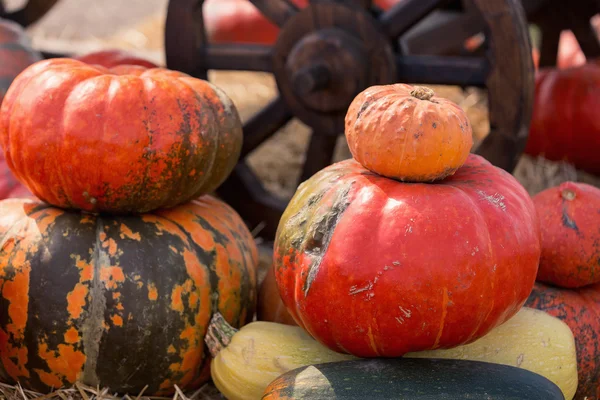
110	275
406	269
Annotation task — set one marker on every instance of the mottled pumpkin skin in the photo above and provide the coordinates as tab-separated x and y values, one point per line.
15	52
375	267
119	302
114	57
270	307
580	309
81	137
565	123
570	235
398	131
9	186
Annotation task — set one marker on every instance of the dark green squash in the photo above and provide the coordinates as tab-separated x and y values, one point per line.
407	378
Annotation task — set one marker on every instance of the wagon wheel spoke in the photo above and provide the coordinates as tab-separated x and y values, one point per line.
246	57
587	38
442	32
30	13
277	11
405	14
186	38
319	154
549	47
442	70
510	101
265	124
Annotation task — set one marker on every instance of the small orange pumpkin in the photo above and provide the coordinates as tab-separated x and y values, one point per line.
407	133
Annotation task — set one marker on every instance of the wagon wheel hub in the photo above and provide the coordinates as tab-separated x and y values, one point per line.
330	50
322	61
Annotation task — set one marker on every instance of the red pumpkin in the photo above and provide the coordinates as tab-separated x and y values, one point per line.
15	53
119	302
565	123
580	309
84	137
9	186
113	57
570	235
374	267
270	307
238	21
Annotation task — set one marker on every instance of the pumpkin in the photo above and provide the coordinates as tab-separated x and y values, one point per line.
239	21
15	52
119	301
375	267
564	124
246	360
383	379
113	57
270	307
407	133
81	137
580	309
9	186
570	236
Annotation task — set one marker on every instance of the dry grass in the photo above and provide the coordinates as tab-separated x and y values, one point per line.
83	392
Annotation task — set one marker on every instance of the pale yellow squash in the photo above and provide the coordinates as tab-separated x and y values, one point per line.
258	353
246	361
532	340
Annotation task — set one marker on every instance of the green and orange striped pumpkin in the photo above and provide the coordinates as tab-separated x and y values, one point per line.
120	302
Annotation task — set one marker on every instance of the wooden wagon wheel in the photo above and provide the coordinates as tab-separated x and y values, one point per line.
30	13
557	16
328	52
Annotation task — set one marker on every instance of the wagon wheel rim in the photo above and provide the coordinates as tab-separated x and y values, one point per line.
188	50
30	13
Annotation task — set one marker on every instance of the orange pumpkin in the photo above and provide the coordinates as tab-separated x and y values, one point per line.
270	306
124	140
407	133
113	57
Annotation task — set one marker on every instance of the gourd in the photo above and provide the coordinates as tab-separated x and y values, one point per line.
411	379
355	266
113	57
119	301
407	133
246	361
570	236
83	137
580	309
564	123
15	52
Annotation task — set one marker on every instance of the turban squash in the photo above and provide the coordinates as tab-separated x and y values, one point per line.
375	267
119	301
15	53
86	137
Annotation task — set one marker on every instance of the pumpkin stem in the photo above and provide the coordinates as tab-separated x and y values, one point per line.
568	194
219	334
422	93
